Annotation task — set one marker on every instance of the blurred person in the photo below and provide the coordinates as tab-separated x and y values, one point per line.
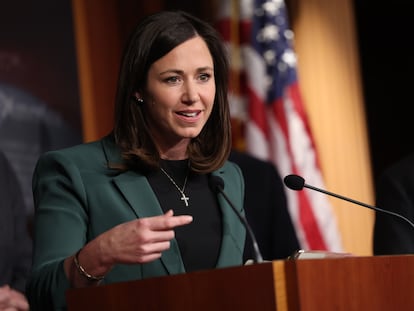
395	193
15	241
266	208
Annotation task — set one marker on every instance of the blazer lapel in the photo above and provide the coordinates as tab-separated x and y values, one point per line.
232	244
137	191
142	200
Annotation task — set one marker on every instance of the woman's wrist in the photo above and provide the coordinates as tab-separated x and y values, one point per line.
82	271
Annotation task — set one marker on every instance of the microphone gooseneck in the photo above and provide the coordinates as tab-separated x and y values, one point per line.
296	182
216	183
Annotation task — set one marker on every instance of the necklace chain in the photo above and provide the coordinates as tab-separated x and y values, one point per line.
183	196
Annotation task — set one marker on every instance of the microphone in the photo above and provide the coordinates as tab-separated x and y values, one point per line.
216	183
296	182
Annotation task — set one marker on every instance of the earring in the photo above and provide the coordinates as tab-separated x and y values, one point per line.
139	101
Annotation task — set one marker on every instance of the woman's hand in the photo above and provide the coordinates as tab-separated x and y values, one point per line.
141	240
138	241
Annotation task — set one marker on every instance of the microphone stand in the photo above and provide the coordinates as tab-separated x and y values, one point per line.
258	255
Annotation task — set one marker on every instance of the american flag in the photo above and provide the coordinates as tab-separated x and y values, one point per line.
270	121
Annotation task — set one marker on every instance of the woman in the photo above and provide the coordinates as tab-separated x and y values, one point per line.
136	204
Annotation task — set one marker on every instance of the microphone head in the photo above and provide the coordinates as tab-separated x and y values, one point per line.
294	182
216	183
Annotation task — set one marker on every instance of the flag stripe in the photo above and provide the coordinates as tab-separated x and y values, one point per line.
306	217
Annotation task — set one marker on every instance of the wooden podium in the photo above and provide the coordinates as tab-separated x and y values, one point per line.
349	283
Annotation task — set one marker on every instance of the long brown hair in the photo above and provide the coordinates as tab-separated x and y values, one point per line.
153	38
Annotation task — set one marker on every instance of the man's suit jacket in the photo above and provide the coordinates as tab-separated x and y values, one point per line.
15	241
77	197
266	208
395	192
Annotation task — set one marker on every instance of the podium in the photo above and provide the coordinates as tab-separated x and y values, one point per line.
348	283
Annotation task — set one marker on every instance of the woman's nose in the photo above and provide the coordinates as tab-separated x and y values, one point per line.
190	94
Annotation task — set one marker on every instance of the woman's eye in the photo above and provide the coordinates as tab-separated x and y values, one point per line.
205	77
173	79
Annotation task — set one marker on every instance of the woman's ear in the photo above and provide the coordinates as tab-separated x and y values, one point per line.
138	98
137	95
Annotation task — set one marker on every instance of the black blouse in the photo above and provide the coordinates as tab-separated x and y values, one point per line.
200	241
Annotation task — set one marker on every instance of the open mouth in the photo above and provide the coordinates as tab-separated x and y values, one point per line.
189	114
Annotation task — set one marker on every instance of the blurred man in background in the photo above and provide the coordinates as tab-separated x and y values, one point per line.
15	241
395	193
266	208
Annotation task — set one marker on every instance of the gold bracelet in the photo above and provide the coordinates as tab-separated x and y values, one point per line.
83	272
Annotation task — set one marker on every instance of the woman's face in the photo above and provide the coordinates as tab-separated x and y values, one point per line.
180	94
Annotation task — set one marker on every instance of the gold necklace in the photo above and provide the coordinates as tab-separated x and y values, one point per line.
183	196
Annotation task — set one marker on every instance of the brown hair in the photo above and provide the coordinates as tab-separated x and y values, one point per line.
153	38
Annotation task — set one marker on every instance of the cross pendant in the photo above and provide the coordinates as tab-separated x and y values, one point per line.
184	198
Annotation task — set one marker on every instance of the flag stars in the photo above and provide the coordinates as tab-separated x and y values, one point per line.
288	34
282	67
289	58
272	7
269	56
268	33
268	82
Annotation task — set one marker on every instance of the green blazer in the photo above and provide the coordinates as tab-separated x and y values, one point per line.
77	197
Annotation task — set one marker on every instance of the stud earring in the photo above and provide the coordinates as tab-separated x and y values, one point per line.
139	101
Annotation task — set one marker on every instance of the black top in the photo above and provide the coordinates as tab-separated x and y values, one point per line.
200	241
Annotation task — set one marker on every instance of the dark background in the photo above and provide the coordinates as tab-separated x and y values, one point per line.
39	96
386	53
37	54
